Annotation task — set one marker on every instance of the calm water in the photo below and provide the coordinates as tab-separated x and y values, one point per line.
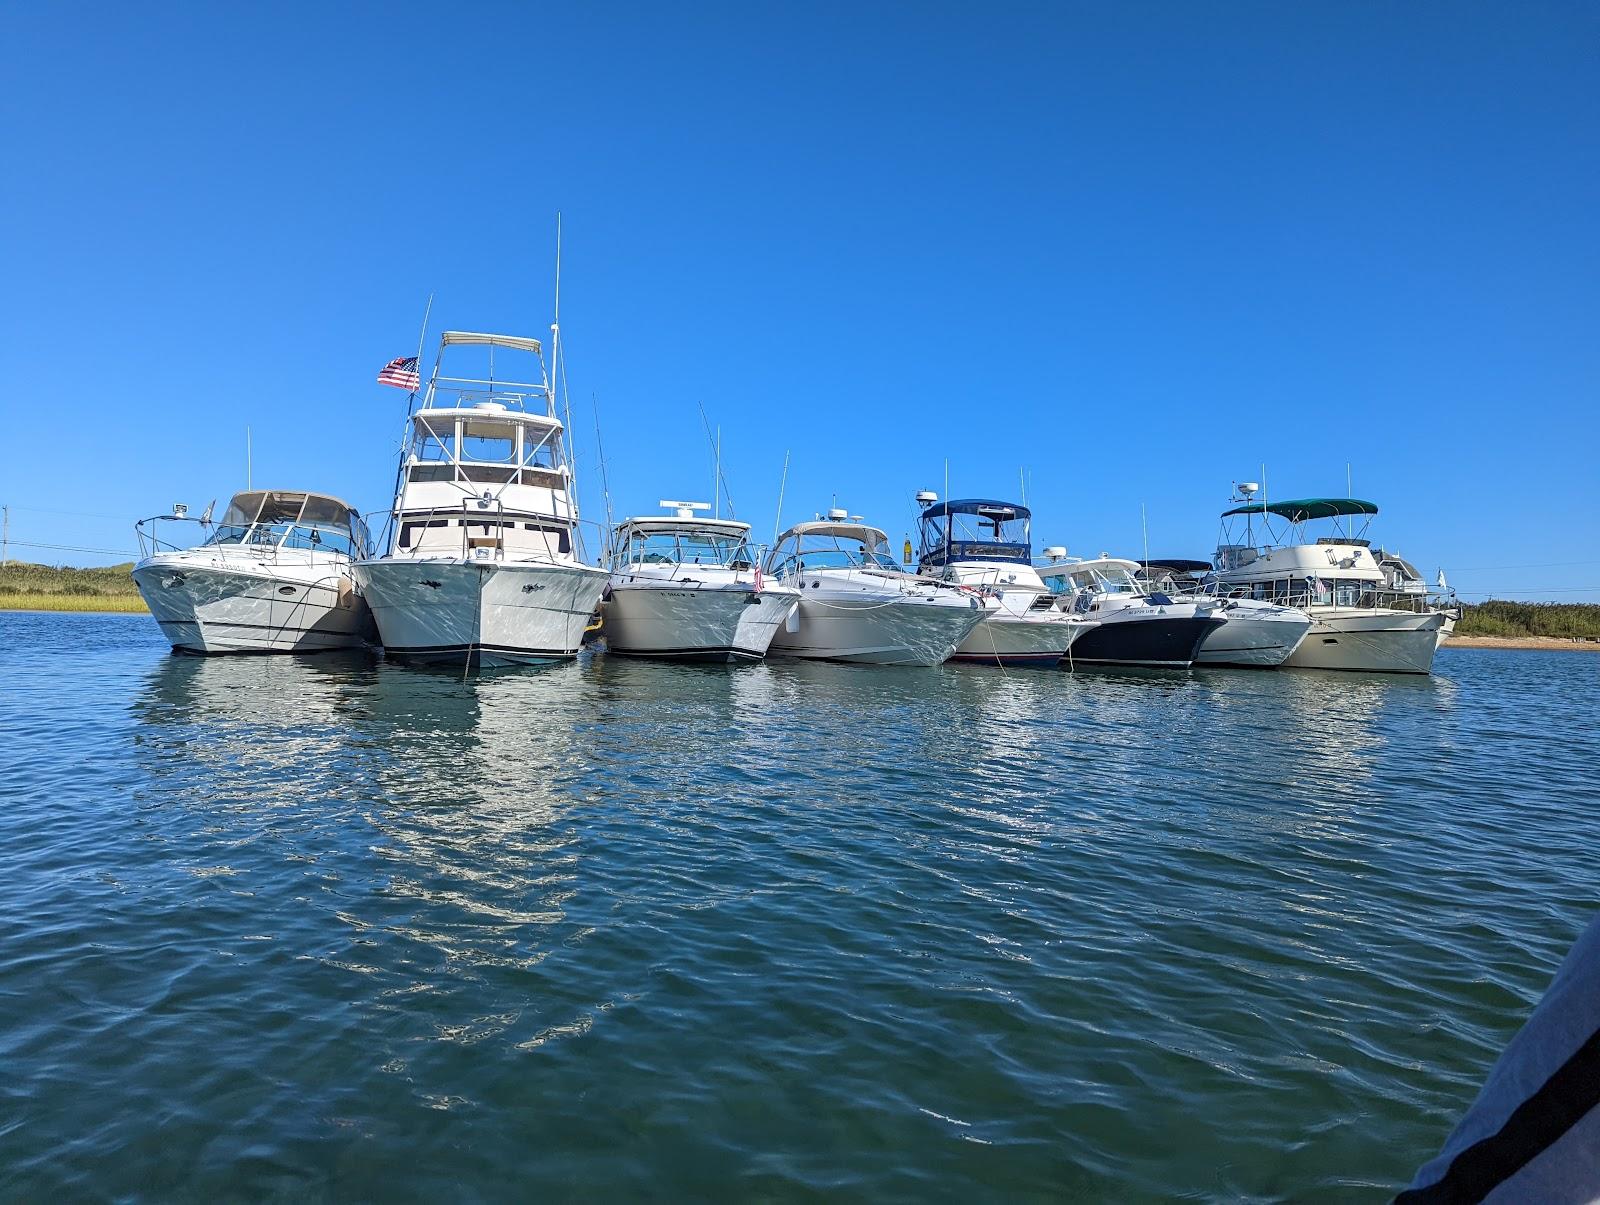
335	928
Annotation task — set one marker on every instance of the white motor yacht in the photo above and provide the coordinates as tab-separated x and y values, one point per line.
274	576
857	604
482	563
688	587
1254	634
1358	621
1136	625
986	545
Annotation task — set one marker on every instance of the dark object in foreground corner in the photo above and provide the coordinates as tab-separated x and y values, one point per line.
1533	1134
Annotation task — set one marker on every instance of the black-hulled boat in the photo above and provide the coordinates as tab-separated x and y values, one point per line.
1136	626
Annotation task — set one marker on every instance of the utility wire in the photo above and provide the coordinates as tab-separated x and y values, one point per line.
74	548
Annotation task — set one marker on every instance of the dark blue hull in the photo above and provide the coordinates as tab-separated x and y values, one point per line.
1161	641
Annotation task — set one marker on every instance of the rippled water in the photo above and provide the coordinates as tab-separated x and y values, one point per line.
329	927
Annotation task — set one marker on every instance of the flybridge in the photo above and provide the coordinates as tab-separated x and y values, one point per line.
451	392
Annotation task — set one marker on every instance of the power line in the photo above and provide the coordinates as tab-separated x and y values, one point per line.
1539	589
74	548
80	514
1539	565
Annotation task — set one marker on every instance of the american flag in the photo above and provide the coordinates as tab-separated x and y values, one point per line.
402	374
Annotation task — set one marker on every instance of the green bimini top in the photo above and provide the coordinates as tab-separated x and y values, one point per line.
1301	509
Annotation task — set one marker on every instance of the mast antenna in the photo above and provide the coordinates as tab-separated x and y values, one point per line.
605	478
422	341
783	482
247	459
558	378
719	483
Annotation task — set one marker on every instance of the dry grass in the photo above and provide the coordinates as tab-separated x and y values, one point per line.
73	602
29	587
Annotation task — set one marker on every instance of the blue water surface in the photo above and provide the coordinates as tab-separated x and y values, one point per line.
328	927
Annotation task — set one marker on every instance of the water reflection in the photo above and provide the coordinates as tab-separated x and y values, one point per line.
422	806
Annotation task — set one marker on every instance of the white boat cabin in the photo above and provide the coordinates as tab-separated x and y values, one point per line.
481	475
1283	563
832	544
269	522
682	538
1102	576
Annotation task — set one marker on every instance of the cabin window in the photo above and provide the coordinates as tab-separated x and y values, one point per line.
432	472
433	442
491	474
539	447
408	530
492	443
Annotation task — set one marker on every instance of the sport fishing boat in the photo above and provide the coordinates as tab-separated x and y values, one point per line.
1137	625
688	587
1359	622
1254	634
985	545
274	576
857	604
482	562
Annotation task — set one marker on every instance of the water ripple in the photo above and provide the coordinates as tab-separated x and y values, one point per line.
334	928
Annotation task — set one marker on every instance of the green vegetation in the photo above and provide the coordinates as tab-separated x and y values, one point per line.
26	587
1569	621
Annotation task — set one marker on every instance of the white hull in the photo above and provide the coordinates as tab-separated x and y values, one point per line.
215	607
876	629
731	623
1262	640
1003	638
1393	642
491	612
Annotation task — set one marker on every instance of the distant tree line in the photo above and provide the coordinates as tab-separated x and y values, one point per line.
1494	618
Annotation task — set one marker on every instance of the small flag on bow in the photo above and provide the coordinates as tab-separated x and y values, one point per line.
402	374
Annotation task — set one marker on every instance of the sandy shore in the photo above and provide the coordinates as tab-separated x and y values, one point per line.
1522	642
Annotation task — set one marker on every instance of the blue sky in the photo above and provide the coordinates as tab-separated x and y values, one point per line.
1136	249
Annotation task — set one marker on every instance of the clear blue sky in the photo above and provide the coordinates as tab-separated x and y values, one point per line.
1138	249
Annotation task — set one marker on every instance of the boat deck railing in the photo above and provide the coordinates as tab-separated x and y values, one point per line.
1344	597
453	394
265	542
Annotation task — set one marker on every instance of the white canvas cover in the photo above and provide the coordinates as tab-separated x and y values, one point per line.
474	339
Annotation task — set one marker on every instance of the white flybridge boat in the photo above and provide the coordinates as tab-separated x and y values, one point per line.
274	576
985	545
1359	622
1254	634
483	560
857	604
689	587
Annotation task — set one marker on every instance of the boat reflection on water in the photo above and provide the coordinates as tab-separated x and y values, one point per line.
423	794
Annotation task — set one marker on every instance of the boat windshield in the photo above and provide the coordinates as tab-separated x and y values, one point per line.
290	519
800	553
686	547
1097	579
